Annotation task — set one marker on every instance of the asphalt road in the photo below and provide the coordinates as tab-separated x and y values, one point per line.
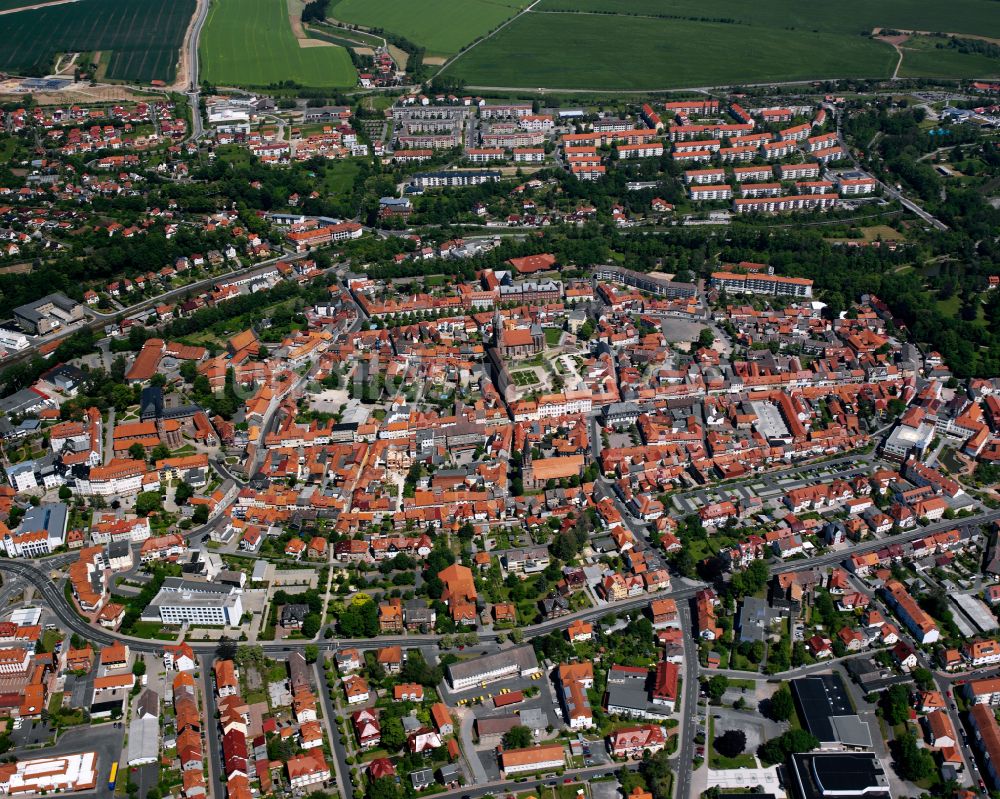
194	90
38	576
213	741
99	320
689	718
891	191
331	714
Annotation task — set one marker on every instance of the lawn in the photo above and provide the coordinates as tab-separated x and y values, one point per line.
552	336
950	306
144	36
717	761
339	176
442	27
930	57
250	43
596	52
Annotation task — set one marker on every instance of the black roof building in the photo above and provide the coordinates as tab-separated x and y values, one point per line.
844	775
826	711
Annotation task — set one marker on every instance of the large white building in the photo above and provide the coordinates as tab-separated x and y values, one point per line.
119	477
13	340
180	601
520	661
762	283
77	772
42	530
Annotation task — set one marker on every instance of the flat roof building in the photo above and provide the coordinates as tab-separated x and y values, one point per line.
844	775
180	601
520	661
826	712
76	772
48	313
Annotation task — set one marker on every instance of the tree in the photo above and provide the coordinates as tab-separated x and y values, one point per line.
226	649
896	704
384	788
311	624
147	502
706	338
160	451
781	706
200	515
716	687
311	653
137	452
658	773
417	670
750	580
393	735
518	737
359	620
923	678
183	493
912	762
139	667
778	749
65	493
731	743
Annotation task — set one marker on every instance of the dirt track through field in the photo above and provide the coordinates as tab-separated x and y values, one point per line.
295	20
36	5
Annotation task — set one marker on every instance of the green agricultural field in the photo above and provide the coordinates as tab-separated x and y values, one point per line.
250	43
980	17
930	57
582	51
442	27
143	35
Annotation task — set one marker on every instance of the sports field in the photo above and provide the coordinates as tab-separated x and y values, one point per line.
250	43
599	52
144	36
442	27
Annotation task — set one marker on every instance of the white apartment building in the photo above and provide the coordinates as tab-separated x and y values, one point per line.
13	340
719	191
14	661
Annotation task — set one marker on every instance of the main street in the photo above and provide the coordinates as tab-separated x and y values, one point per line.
194	88
887	190
98	320
35	573
689	706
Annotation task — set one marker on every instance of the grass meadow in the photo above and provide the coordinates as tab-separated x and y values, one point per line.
442	27
929	57
250	43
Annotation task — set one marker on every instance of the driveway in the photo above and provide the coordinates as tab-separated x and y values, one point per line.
467	718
